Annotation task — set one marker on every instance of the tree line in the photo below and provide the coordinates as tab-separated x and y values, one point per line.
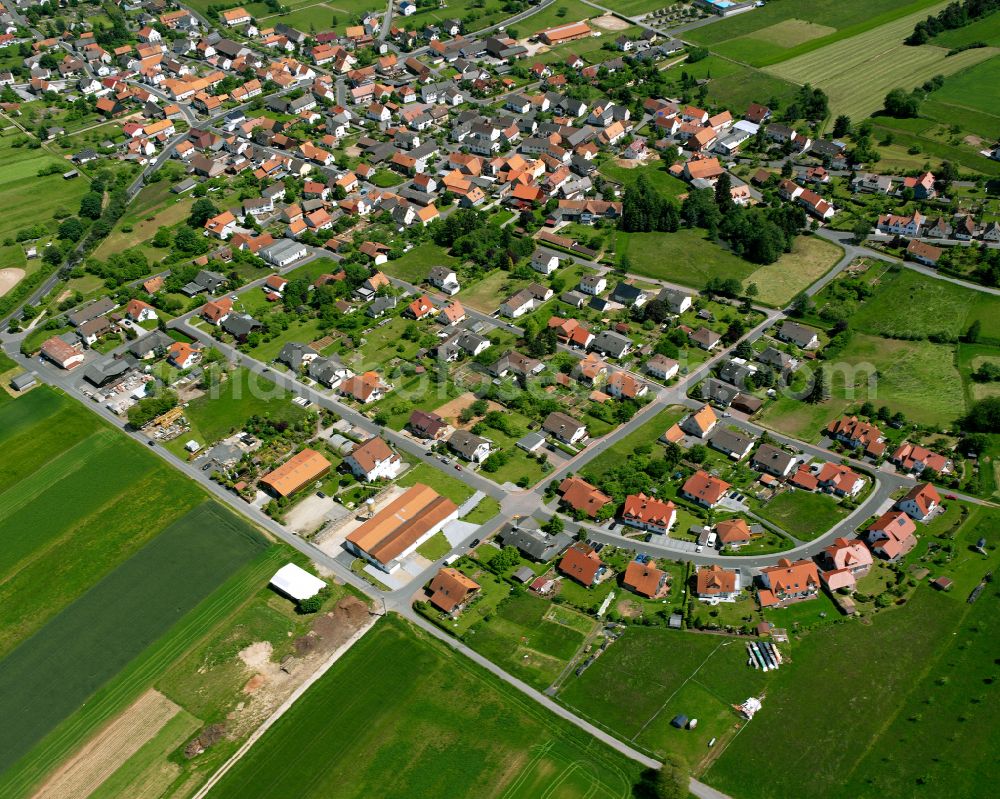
955	15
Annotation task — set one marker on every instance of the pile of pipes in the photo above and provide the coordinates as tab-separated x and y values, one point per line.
763	655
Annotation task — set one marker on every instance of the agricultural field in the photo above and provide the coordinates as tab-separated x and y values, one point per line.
651	675
984	30
880	55
138	580
775	32
419	743
936	683
965	99
549	17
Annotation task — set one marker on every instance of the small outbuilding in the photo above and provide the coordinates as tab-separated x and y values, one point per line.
296	583
23	382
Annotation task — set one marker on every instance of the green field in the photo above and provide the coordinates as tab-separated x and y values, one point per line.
50	676
880	55
916	377
649	676
19	179
907	303
965	98
243	395
802	514
925	721
686	257
549	16
777	31
414	266
531	638
402	715
646	434
656	173
444	484
811	258
984	30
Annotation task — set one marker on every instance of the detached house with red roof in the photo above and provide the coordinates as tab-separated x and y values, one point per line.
846	554
581	496
914	458
892	535
921	501
216	311
788	582
139	311
582	563
700	423
649	513
704	489
840	480
858	435
645	579
715	584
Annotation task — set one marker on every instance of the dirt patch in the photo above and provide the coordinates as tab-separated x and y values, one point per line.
110	748
450	410
9	278
628	609
974	141
271	683
610	22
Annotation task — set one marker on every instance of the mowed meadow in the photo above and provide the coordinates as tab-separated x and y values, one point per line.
856	73
111	565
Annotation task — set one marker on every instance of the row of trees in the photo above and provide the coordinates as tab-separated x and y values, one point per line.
955	15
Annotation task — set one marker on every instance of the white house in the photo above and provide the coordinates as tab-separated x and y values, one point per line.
374	460
546	263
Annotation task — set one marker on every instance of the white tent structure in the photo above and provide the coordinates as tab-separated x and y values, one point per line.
296	582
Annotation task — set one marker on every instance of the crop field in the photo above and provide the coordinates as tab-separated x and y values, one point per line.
651	675
526	638
75	504
811	258
19	179
51	675
884	61
449	728
925	721
847	18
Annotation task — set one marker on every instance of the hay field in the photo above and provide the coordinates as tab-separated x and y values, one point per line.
857	73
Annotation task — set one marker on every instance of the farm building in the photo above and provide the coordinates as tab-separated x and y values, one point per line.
401	526
296	473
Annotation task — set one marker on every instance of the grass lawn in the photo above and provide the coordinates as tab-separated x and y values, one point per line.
414	265
19	179
486	295
803	514
916	377
907	303
684	257
444	484
648	433
651	674
487	508
549	17
926	719
800	420
656	173
243	395
418	745
963	91
435	547
811	258
531	638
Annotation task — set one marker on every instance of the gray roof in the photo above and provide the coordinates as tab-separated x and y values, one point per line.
726	440
772	459
91	311
796	333
293	352
533	542
611	343
466	443
22	382
149	343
